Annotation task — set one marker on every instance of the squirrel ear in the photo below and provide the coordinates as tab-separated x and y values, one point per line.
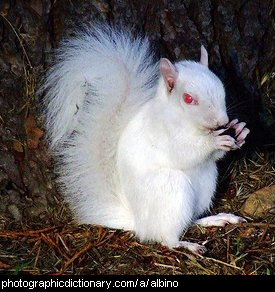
204	56
169	73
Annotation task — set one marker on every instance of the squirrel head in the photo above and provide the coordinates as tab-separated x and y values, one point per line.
196	90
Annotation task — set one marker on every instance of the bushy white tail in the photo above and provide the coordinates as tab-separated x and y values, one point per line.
101	64
100	79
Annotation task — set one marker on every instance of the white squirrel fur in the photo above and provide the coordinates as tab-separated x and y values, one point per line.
131	154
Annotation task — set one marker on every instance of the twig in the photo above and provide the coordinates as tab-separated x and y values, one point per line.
255	224
13	234
223	263
80	253
263	250
37	257
165	266
51	243
63	243
19	39
264	234
77	255
227	247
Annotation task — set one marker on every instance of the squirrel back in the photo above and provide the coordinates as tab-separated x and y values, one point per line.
99	81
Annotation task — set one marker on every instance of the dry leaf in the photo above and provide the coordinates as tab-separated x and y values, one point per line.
33	132
4	266
18	150
17	146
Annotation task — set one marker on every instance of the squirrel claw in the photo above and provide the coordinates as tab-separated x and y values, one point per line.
240	130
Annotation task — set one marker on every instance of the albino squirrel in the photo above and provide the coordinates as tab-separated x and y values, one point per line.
137	141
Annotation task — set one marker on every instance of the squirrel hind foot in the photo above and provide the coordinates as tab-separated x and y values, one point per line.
195	248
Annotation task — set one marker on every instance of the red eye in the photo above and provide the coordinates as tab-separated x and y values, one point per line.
187	98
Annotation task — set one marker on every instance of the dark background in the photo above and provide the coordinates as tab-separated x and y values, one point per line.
238	34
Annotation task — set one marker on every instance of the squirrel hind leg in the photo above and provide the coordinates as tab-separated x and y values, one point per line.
221	220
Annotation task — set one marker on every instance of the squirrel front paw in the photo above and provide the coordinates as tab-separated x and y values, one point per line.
226	140
226	143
